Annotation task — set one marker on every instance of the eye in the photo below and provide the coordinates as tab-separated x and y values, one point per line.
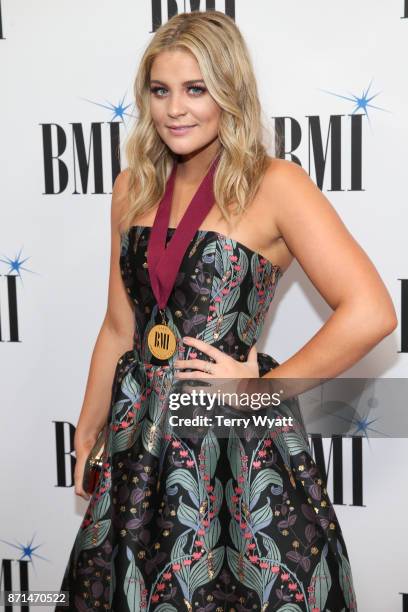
156	90
200	90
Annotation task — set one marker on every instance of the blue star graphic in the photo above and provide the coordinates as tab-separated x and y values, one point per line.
16	265
118	111
361	103
27	551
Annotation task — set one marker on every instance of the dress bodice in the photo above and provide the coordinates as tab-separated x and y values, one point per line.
221	294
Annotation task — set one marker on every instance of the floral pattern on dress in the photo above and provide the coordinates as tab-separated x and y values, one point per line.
203	523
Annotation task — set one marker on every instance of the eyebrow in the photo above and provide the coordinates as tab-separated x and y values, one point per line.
185	82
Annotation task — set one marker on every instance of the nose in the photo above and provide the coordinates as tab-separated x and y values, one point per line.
175	105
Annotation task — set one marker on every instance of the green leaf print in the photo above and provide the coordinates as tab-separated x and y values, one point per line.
101	506
124	439
295	443
261	518
235	451
206	569
184	478
93	535
273	551
187	515
133	584
212	536
346	581
321	581
228	301
210	448
289	607
250	576
236	536
261	481
215	327
165	607
177	554
244	328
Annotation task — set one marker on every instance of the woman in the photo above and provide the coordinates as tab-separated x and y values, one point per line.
207	523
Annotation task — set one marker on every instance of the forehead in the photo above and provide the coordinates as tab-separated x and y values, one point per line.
175	64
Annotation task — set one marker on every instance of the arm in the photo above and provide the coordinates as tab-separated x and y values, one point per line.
114	339
341	272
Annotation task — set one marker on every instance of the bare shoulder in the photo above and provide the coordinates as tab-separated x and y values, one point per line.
120	196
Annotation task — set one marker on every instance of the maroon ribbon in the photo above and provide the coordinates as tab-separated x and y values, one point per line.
164	262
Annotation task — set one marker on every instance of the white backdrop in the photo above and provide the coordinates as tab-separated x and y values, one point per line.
69	64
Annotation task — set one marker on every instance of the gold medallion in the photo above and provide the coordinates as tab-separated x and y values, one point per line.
161	341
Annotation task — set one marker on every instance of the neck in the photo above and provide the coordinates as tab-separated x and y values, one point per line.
192	167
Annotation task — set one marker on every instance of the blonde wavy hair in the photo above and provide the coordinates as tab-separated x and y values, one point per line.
222	55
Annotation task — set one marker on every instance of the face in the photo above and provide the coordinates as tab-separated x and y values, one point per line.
180	99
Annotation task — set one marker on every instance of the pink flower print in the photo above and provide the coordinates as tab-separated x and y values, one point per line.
206	522
199	543
211	515
209	488
227	247
262	453
161	586
206	477
190	463
176	566
233	257
251	546
247	535
193	355
225	291
268	442
217	299
243	525
136	405
241	479
256	464
183	453
299	596
237	267
284	577
155	598
253	558
197	555
238	517
201	532
212	308
238	490
176	444
292	586
106	474
234	498
209	319
275	569
263	261
264	565
212	498
187	562
167	575
261	292
124	424
131	414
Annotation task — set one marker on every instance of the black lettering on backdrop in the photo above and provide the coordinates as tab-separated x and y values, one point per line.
318	152
176	6
62	452
336	446
11	300
1	24
6	579
55	167
404	315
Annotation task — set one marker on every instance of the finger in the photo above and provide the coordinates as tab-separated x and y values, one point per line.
191	363
204	347
253	354
193	375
